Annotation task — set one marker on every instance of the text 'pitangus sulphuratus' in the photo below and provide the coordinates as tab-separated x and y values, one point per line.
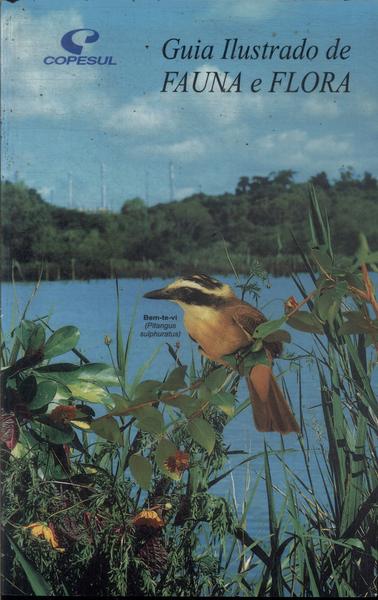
223	324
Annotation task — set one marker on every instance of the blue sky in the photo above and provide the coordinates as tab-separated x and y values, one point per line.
70	119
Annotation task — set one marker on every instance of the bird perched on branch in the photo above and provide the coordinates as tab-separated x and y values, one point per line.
222	324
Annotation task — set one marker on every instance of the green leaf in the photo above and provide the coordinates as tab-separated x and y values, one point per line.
257	346
121	355
57	368
164	450
37	338
147	390
352	542
202	433
150	419
341	289
28	388
62	392
305	321
204	394
356	323
371	258
175	380
121	406
268	327
244	361
355	280
329	300
270	494
53	433
187	404
354	315
322	257
89	392
225	402
141	470
326	301
97	373
252	359
281	335
196	403
45	393
24	332
37	582
177	400
108	428
353	328
363	249
63	340
231	360
193	406
216	379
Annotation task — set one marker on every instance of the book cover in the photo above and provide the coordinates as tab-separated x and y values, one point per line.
189	318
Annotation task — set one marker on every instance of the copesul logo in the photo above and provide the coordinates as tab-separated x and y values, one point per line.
73	42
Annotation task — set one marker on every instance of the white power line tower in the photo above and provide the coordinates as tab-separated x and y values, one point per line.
171	182
147	187
103	187
70	190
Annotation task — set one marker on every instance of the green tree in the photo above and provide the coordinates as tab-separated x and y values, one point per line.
320	181
369	182
132	205
284	179
25	217
242	186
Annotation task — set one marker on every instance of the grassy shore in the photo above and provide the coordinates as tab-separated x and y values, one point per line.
120	268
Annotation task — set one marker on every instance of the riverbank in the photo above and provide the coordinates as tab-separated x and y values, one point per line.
145	269
264	220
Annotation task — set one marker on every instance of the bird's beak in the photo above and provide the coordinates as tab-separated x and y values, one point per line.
161	294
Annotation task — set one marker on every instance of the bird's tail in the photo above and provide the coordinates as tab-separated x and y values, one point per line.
271	410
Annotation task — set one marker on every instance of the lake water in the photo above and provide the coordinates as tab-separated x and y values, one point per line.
91	306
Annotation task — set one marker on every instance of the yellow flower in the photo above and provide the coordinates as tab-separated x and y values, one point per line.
42	530
148	518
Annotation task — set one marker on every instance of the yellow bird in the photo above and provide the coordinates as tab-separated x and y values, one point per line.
221	324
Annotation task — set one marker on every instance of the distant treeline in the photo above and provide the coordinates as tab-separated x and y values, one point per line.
258	221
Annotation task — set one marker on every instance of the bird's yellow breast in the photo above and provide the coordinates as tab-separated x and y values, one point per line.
214	330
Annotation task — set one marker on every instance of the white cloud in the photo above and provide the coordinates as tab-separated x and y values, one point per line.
183	151
274	140
367	106
299	149
254	9
185	192
35	89
142	116
177	112
320	106
45	191
329	144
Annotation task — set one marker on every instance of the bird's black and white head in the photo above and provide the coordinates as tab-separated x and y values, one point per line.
195	290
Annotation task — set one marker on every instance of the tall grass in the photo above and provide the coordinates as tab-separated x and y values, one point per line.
87	481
